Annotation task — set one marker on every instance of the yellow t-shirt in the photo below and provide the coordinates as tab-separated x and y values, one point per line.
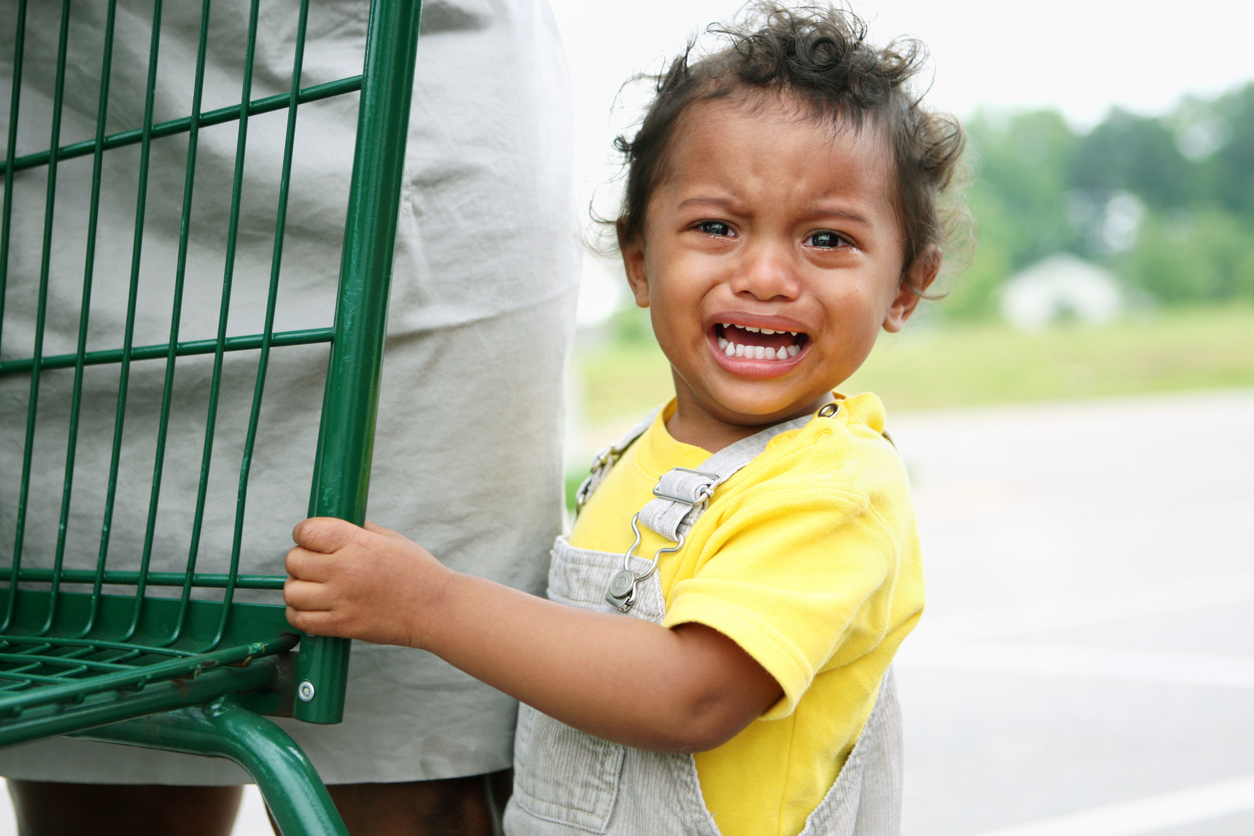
808	559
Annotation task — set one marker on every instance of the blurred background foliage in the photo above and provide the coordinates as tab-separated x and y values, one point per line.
1165	202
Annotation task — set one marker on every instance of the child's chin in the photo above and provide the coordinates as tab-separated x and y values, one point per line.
752	409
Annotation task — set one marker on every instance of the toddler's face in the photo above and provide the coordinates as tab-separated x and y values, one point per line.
771	257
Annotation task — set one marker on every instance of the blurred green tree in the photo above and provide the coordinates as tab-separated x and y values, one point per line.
1166	201
1195	255
1134	154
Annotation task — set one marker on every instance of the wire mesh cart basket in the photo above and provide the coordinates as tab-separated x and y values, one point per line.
130	639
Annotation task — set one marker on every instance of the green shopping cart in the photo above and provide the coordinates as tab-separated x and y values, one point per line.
123	648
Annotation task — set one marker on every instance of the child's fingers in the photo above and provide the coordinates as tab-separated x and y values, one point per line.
306	565
375	528
313	623
296	618
304	596
325	534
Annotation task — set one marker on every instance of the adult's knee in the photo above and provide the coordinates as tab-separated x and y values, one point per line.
469	806
49	808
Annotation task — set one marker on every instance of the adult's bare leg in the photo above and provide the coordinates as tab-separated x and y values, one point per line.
470	806
47	808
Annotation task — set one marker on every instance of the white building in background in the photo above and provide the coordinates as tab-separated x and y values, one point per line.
1061	287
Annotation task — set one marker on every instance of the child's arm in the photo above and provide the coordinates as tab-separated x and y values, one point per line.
684	689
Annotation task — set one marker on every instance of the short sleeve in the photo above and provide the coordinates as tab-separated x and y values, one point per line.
799	576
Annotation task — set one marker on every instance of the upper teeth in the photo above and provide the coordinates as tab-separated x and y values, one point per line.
753	330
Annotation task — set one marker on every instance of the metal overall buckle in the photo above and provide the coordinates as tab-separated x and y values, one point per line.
605	458
622	589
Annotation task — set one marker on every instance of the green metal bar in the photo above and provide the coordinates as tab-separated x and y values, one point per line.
346	443
98	644
132	300
37	656
18	679
34	648
228	275
111	697
176	316
119	577
28	679
66	661
10	151
48	719
160	130
288	782
38	651
89	267
42	304
113	356
6	214
276	259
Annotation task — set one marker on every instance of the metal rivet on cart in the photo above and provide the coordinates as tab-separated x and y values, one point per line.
305	691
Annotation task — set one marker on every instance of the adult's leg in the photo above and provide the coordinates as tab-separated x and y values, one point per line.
470	806
46	808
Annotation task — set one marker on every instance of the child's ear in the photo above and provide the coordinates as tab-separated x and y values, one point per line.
916	282
632	250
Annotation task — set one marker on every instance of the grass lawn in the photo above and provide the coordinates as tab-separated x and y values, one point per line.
947	365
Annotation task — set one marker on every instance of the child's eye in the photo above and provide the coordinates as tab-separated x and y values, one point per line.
827	240
715	228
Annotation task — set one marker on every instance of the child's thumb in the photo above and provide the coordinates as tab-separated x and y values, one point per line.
324	534
375	528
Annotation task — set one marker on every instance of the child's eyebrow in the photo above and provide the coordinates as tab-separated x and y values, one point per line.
818	212
716	202
843	214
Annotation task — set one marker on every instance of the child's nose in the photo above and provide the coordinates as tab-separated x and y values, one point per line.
767	272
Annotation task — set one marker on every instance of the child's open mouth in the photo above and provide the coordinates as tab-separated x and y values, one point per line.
759	343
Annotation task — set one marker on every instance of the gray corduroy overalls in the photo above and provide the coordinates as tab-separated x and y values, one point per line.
568	782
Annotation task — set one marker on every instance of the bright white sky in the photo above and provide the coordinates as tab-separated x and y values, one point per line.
1078	56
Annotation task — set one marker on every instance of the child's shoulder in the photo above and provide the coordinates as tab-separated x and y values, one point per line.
865	410
841	451
844	429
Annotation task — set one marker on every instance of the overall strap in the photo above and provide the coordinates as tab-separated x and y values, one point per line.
682	496
608	456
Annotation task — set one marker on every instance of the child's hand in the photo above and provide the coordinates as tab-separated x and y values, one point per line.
360	583
597	671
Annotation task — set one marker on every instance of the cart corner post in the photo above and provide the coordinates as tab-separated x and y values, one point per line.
344	449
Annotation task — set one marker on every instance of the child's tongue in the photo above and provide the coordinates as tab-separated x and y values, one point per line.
739	336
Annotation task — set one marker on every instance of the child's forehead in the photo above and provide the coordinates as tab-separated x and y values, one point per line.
784	112
774	124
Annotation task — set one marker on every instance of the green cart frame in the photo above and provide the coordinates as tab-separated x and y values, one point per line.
97	652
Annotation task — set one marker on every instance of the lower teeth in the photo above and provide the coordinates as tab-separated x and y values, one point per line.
758	352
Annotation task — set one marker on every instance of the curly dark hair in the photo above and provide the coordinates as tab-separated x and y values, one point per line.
819	58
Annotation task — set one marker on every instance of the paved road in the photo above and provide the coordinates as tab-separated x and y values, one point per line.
1086	664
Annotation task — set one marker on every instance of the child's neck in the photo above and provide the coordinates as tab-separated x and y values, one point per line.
701	429
709	435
